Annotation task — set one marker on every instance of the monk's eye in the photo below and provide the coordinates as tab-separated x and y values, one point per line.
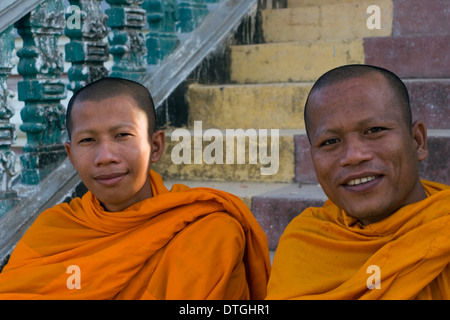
329	142
86	140
123	135
374	130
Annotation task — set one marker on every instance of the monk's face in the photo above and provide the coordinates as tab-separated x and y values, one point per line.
111	150
365	155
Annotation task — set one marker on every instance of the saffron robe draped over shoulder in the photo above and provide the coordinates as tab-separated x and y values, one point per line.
326	254
197	243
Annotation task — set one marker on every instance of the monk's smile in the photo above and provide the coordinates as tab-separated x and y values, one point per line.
110	179
362	183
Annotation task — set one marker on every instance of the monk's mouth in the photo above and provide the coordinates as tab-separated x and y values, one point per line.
110	179
363	184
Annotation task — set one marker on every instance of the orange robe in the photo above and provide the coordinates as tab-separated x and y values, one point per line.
188	243
326	254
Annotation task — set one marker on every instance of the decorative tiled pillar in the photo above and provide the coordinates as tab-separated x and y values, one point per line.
8	196
126	40
86	28
42	90
162	39
192	13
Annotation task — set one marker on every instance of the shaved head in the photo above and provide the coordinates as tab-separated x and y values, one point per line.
347	72
110	87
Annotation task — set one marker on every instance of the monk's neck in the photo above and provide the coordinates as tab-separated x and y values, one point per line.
417	194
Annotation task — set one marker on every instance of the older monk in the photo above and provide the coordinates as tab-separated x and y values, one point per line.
384	233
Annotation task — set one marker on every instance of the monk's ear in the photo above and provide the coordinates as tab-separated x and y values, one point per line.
158	142
419	133
68	147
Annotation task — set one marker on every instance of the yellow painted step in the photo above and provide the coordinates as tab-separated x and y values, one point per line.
257	106
269	159
335	21
292	61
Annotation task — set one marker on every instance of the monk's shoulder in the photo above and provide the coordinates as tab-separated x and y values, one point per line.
218	221
217	227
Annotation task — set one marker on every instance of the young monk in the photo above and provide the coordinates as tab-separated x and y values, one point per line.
383	233
129	237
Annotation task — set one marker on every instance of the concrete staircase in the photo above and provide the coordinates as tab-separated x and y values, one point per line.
269	83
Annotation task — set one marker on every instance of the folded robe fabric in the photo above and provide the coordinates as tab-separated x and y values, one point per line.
326	254
197	243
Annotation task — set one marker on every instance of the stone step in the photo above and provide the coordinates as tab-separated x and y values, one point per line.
244	190
258	106
273	204
422	56
280	105
267	158
434	168
430	101
414	17
326	21
291	61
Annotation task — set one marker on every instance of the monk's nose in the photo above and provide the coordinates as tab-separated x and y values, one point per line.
106	154
355	152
